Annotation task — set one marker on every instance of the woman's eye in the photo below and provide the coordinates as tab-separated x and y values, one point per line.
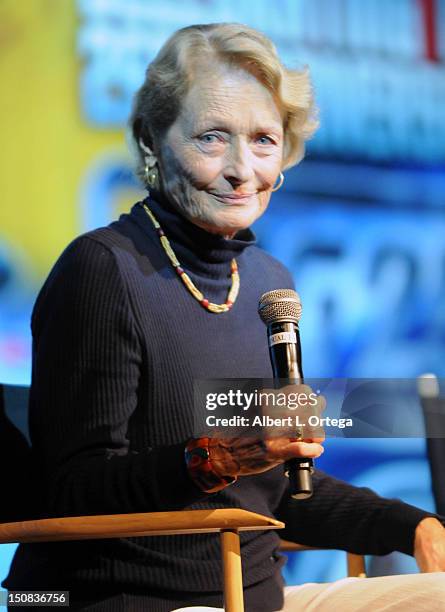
265	140
209	138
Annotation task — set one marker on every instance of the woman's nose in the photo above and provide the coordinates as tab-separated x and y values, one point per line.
239	163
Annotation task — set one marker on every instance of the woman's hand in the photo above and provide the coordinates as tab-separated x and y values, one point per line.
429	545
244	456
241	456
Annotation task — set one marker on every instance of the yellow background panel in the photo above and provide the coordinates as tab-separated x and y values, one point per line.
47	147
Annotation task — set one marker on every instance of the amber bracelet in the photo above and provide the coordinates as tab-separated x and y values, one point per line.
199	466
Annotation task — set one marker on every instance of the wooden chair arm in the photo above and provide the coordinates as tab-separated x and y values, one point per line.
228	522
133	525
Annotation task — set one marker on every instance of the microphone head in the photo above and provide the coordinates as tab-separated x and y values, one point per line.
280	305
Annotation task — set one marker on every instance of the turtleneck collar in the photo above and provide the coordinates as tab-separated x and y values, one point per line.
195	248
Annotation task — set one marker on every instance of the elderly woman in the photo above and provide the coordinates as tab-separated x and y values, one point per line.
133	313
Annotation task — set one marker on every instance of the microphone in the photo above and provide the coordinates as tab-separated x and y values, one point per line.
280	310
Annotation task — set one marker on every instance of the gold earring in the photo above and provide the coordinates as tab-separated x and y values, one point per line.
151	175
280	182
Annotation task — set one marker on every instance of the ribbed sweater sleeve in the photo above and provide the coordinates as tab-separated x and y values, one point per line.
356	519
87	360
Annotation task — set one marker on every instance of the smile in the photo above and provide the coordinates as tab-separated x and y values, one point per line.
234	198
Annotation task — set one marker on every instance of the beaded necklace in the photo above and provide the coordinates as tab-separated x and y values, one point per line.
191	287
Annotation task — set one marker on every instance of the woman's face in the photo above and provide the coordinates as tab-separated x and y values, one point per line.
223	154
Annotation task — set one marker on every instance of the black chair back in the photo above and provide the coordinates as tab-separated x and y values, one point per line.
18	500
433	406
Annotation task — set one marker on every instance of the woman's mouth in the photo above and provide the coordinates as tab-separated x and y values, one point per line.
234	198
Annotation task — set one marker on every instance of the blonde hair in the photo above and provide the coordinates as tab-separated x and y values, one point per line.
158	102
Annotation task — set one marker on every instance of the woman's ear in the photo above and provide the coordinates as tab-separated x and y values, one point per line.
141	131
149	156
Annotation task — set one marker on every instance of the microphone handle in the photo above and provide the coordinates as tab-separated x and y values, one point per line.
286	362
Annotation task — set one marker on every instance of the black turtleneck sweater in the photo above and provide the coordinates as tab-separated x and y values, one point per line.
117	343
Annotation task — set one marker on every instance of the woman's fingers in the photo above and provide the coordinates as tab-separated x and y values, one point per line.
318	440
307	449
282	449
